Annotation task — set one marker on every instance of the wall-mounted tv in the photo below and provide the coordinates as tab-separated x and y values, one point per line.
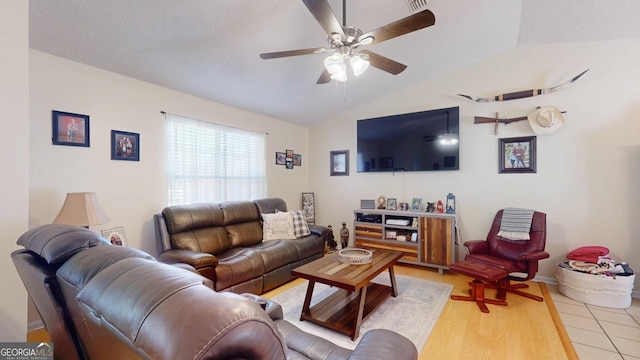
420	141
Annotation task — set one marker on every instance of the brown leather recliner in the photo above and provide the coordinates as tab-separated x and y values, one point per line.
100	301
513	256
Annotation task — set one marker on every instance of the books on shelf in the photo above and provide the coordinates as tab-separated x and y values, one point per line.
401	222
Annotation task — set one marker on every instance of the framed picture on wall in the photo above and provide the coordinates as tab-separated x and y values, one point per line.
125	145
70	129
517	155
280	158
339	162
297	160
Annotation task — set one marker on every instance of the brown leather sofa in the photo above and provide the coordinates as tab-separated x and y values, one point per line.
223	242
100	301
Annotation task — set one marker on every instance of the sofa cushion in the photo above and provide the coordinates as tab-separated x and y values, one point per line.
79	270
276	253
196	227
236	266
311	246
235	212
277	226
244	234
213	240
270	205
57	242
181	218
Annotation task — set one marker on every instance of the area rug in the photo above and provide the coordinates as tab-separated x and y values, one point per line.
413	313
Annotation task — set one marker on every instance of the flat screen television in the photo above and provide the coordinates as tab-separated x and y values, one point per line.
419	141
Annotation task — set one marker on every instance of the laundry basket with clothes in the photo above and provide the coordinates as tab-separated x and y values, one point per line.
591	276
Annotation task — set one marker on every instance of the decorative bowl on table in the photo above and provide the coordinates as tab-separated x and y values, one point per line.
355	256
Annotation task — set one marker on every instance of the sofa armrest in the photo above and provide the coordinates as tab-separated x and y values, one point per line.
384	344
273	309
318	229
477	246
194	258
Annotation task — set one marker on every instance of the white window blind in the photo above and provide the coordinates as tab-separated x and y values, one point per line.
213	163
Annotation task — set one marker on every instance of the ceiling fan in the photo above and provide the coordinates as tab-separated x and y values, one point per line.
343	40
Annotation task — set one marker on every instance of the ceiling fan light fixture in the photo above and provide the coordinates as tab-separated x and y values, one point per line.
358	64
334	63
340	75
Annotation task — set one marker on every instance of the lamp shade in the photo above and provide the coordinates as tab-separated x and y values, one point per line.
81	209
358	65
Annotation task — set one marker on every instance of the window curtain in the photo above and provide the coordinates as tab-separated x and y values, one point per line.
213	163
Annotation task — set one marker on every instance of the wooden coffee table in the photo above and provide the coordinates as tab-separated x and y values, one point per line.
356	297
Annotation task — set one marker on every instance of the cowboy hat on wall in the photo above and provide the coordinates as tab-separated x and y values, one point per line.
546	120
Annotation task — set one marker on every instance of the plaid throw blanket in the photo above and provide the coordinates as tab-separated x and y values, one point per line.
516	223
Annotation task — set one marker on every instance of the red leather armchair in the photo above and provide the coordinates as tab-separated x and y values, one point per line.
514	256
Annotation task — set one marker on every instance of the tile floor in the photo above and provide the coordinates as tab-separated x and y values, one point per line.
599	333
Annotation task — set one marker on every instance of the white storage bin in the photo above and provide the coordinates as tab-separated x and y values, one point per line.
599	290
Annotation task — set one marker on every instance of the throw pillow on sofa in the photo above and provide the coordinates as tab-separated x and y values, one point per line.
277	226
300	227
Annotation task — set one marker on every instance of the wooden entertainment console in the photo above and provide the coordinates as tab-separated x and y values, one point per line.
426	239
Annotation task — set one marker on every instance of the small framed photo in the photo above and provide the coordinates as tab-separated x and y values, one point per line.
280	158
125	145
297	160
390	234
115	236
517	155
339	162
289	154
70	129
416	204
289	163
392	204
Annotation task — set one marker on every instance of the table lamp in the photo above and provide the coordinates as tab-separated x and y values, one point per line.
81	209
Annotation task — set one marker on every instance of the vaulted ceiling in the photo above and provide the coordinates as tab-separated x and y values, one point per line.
211	49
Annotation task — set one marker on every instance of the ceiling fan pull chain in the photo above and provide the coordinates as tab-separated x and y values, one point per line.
344	91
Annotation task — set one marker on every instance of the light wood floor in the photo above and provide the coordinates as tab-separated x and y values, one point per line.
525	329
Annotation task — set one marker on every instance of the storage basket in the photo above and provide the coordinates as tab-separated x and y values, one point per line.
599	290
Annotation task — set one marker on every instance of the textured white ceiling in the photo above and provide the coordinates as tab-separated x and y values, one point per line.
211	48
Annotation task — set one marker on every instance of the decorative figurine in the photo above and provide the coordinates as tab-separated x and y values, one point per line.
440	207
344	235
431	207
451	204
331	240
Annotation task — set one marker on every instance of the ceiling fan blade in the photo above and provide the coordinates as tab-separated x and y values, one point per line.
404	26
321	10
280	54
384	63
324	78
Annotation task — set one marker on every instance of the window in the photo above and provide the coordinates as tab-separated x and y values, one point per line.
213	163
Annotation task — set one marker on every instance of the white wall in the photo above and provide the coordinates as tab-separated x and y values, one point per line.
14	154
586	173
130	192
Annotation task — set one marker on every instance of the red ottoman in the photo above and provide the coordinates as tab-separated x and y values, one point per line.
481	273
